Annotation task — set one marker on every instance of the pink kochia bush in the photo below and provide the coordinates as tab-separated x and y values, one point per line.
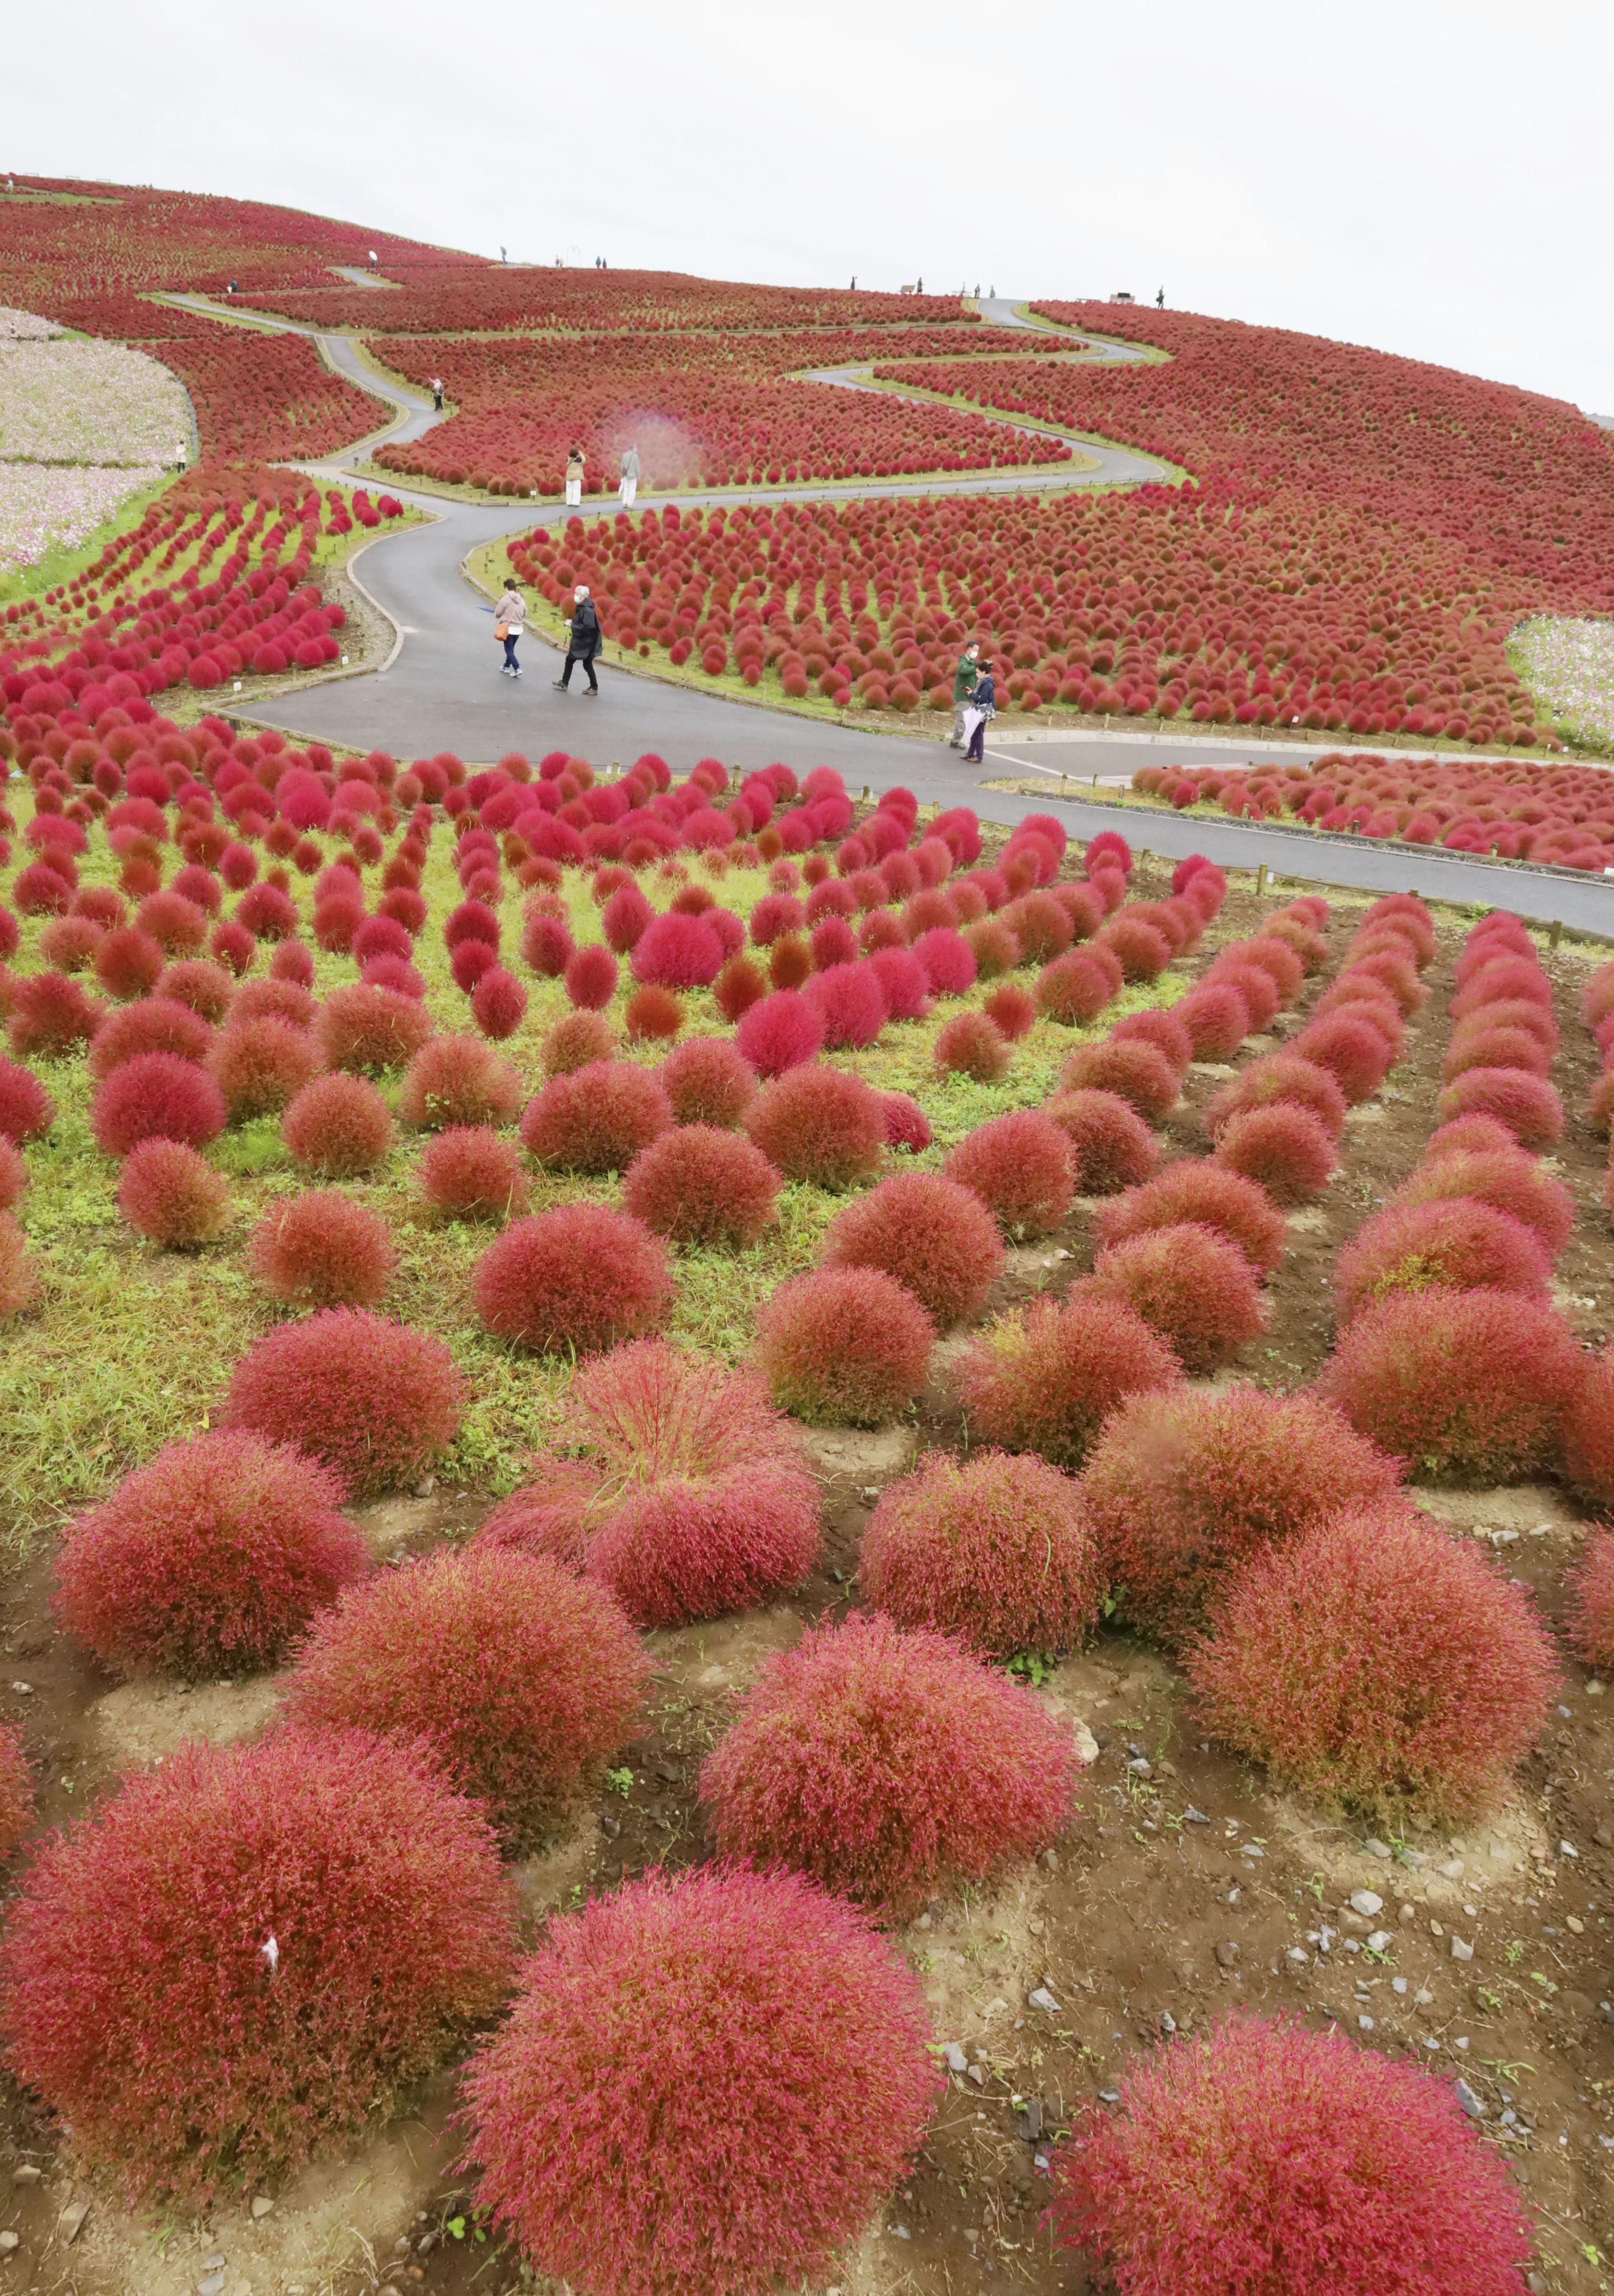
375	1401
741	2159
698	1185
172	1195
458	1080
521	1677
886	1766
156	1096
1376	1665
469	1173
1197	1190
843	1346
322	1249
1186	1485
595	1118
1045	1377
581	1276
336	1127
1460	1243
672	1483
995	1549
1190	1285
1265	2158
209	1559
248	1952
1021	1167
821	1125
930	1234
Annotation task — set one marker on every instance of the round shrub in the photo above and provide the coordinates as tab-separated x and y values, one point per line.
1045	1377
156	1096
597	1119
1470	1132
1111	1147
708	1082
843	1346
1012	1009
778	1032
1282	1148
19	1278
1207	1193
949	961
580	1277
206	988
1216	1017
1144	950
1589	1614
50	1016
374	1401
521	1677
994	1549
652	1015
1187	1485
129	962
1528	1106
1353	1051
259	1065
850	1002
154	1024
1379	1666
1257	989
211	1559
26	1109
1136	1072
933	1235
1461	1243
796	2099
336	1127
1075	988
1261	2156
172	1195
468	1173
697	1184
192	1976
574	1042
1160	1026
738	987
16	1790
1191	1284
1589	1430
886	1766
675	951
1472	1048
1467	1387
321	1249
1282	1077
591	977
13	1175
820	1125
907	1124
367	1030
1274	956
903	982
458	1080
1022	1167
673	1483
971	1044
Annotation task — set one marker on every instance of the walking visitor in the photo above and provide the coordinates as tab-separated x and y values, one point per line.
631	469
437	393
982	708
574	477
963	686
509	621
582	641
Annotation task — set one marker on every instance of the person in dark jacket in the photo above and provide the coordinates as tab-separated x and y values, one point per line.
582	641
981	706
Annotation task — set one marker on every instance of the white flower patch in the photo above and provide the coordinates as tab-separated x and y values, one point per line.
42	508
16	327
100	405
1568	666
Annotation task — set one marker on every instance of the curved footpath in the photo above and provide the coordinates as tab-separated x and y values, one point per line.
441	690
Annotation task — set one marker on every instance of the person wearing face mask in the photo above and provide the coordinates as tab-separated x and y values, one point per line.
582	642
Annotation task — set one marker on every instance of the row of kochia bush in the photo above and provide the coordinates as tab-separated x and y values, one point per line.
675	1491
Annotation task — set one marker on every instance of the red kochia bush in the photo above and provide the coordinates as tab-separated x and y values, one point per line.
572	1043
1191	1285
886	1766
1376	1664
26	1108
13	1175
337	1127
738	987
1112	1145
1589	1430
209	1560
971	1044
591	977
521	1677
16	1790
779	1032
675	951
129	962
458	1080
1200	1191
51	1015
707	1081
153	1024
651	1012
367	1029
1136	1072
1044	1378
469	1173
498	1003
1216	1017
597	1119
795	2099
1282	1148
375	1401
821	1125
995	1549
1075	988
1355	1053
321	1249
581	1277
19	1280
1021	1167
1467	1387
156	1096
260	1064
1186	1486
699	1184
1528	1106
1589	1616
843	1346
1265	2158
1269	1083
690	1495
933	1235
247	1952
1461	1243
168	1192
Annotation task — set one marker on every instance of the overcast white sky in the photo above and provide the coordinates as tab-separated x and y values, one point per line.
1429	178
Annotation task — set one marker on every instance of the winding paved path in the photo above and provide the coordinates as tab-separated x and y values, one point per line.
442	690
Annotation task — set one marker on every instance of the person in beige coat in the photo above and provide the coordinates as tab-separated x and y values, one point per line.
509	621
574	477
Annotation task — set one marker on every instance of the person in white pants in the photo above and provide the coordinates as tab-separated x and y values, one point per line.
631	468
574	477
